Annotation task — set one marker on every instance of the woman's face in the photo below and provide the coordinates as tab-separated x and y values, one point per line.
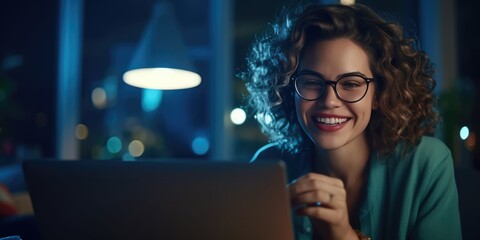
330	122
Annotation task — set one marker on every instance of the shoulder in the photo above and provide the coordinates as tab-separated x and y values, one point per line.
421	186
426	150
431	146
430	153
428	156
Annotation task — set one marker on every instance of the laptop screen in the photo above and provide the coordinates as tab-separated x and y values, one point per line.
168	199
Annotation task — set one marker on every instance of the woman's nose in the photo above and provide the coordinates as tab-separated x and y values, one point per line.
329	98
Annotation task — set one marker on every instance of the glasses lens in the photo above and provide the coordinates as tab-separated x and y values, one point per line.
352	88
309	87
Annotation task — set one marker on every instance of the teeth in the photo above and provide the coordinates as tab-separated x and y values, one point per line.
331	121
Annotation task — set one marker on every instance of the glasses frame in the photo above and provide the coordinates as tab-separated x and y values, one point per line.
326	82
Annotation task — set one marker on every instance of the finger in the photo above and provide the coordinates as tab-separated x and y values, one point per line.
325	214
321	177
311	181
296	207
315	185
318	200
312	197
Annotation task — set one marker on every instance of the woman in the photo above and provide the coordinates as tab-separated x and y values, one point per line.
346	101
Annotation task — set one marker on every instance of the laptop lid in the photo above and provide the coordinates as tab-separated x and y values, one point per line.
159	199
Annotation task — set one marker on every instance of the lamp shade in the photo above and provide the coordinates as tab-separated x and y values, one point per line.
161	60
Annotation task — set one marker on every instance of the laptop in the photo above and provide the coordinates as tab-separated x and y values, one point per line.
176	199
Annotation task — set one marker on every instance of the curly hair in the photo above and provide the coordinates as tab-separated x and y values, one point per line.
402	73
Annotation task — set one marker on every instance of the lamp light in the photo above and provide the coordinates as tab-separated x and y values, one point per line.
161	60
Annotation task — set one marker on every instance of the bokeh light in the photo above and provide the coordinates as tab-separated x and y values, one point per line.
136	148
99	98
347	2
200	145
114	145
238	116
81	131
471	141
151	99
464	132
127	157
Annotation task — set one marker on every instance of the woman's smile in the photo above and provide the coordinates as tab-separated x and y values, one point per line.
329	122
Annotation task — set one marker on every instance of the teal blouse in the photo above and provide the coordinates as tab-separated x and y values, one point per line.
413	196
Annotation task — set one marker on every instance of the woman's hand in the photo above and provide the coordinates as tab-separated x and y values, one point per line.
324	200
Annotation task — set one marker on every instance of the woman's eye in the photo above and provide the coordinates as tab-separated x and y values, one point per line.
350	84
311	82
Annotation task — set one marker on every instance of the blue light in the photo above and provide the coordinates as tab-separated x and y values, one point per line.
127	157
200	145
114	145
151	99
464	132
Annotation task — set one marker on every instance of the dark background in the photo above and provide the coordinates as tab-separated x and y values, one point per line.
111	30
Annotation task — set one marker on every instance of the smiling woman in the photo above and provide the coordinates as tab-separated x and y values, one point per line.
352	107
329	120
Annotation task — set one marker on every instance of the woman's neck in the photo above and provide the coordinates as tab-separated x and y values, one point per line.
347	163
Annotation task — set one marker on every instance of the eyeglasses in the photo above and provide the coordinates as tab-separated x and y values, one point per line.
350	87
